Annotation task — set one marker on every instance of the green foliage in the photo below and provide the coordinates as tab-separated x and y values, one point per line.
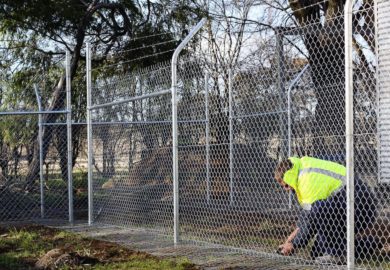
80	180
36	34
17	130
52	15
57	183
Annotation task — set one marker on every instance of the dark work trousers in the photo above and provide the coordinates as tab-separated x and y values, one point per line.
327	222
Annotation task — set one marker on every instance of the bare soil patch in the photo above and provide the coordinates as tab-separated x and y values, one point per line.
39	247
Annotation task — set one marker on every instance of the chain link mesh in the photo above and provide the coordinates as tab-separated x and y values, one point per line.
20	189
20	185
132	147
16	151
80	171
237	124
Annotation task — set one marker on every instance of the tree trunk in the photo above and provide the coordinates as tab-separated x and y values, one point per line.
58	97
327	61
58	102
62	149
16	156
108	157
3	159
77	141
323	36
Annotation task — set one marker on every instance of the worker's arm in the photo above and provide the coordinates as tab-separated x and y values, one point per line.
292	235
301	236
287	248
307	229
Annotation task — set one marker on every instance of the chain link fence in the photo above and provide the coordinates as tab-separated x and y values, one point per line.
28	190
132	148
15	155
34	182
235	125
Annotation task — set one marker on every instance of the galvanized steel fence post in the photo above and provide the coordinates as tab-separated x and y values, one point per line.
89	134
289	107
69	136
175	145
40	143
282	94
349	135
289	123
231	171
206	94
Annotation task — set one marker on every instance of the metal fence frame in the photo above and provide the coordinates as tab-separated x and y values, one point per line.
173	91
349	132
349	135
349	129
40	112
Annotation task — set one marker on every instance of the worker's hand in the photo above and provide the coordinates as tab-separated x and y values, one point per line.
286	249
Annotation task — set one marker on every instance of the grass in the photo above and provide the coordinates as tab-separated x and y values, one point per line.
151	264
56	197
21	248
9	261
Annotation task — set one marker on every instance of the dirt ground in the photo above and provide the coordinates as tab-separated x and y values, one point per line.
38	247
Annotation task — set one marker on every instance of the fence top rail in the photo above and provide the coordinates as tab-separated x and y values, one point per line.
32	112
144	122
155	94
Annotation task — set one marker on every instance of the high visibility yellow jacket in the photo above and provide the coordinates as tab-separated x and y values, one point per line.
314	179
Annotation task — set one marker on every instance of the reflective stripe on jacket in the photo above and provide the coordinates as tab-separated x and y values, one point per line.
314	179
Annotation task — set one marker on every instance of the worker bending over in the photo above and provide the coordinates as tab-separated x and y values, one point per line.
320	189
